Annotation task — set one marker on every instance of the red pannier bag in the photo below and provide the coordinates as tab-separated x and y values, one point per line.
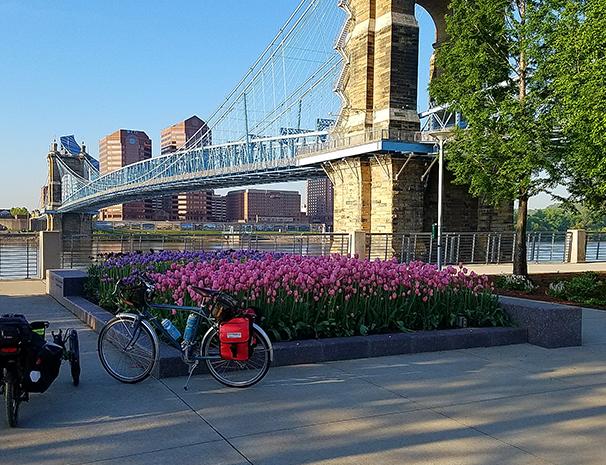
235	338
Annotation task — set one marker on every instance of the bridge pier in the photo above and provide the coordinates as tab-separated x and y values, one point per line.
388	192
394	194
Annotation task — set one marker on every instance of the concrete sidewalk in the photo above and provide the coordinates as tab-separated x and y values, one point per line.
507	405
537	268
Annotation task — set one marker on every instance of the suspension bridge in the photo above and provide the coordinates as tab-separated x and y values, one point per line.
335	94
281	122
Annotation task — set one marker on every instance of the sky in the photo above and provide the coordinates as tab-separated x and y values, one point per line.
91	67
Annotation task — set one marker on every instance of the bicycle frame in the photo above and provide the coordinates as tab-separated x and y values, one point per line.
144	314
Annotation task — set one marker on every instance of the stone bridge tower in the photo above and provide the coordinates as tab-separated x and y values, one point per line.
69	224
389	192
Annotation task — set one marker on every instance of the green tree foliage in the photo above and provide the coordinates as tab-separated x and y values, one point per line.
16	211
559	217
491	69
578	65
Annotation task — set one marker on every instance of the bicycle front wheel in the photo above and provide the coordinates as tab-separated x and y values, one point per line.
234	373
127	349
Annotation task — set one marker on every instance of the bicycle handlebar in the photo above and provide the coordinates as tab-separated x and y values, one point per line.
219	296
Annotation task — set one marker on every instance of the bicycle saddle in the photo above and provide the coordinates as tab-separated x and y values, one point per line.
220	296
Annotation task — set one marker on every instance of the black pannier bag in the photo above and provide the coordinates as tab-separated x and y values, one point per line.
43	366
15	337
39	360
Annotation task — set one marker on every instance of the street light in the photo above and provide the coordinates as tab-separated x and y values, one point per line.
441	135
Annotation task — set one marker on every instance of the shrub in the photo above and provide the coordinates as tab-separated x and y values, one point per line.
514	283
586	288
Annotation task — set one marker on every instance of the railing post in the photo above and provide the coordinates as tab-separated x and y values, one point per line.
578	245
386	246
499	249
50	249
357	243
71	252
27	258
473	248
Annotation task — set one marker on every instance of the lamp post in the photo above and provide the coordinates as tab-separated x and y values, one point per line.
441	136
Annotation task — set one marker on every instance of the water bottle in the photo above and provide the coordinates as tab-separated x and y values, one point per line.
171	329
191	328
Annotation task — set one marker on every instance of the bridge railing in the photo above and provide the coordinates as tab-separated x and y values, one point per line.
257	154
336	141
18	256
81	251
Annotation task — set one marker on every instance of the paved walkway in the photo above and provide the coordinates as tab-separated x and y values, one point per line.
535	268
511	405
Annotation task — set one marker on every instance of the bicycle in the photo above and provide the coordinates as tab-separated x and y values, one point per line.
29	364
129	344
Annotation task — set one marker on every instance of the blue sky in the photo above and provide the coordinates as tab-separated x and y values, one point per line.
91	67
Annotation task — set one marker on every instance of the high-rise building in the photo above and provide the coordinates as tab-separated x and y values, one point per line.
218	208
174	137
121	148
187	206
320	201
264	206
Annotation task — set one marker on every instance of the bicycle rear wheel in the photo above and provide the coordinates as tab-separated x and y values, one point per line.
12	400
234	373
74	356
127	349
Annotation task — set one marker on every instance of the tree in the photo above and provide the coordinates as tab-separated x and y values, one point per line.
579	85
17	211
491	69
561	217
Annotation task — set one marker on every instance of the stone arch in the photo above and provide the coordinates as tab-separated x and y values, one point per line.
437	9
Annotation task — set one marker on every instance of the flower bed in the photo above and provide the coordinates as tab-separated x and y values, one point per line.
573	288
313	297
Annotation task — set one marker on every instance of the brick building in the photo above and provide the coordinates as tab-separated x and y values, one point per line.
187	206
121	148
264	206
320	201
218	208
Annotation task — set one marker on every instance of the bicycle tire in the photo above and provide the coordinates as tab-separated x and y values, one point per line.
227	371
145	341
11	397
74	356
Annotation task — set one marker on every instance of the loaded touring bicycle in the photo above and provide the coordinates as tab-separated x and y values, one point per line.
222	332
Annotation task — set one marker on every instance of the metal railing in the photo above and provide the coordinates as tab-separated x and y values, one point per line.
81	251
458	247
18	256
476	248
336	141
595	250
